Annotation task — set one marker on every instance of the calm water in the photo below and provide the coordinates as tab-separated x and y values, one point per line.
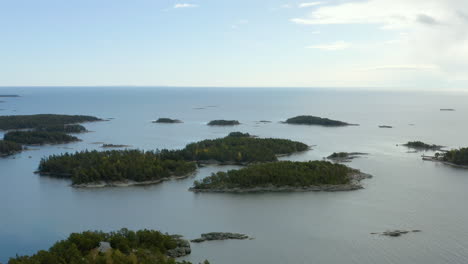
405	193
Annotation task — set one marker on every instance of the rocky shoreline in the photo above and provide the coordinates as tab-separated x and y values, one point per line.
434	159
354	184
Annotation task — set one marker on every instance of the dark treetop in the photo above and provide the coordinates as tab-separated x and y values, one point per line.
41	120
456	156
62	128
314	120
167	120
237	147
9	148
126	247
421	145
114	166
279	174
39	137
223	123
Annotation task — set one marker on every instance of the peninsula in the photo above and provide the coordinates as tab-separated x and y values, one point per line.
314	120
39	137
41	120
284	176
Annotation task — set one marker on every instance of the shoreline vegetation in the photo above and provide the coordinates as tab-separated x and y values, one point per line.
42	120
455	157
36	138
315	120
345	156
167	120
283	176
8	148
136	167
122	246
419	145
223	123
115	146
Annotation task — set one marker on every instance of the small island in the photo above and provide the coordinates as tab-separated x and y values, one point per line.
9	95
8	148
167	121
419	145
284	176
42	120
237	148
223	123
447	109
344	156
39	137
114	146
219	236
385	126
115	168
123	246
314	120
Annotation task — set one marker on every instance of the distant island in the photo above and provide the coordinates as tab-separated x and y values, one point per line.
447	109
314	120
9	148
42	120
9	95
237	148
223	123
72	129
39	137
115	168
123	246
344	156
385	126
167	120
114	146
283	176
419	145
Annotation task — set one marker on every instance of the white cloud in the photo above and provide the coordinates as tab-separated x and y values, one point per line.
338	45
185	5
310	4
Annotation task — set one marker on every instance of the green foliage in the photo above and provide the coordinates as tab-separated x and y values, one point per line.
9	147
279	174
223	123
39	137
41	120
314	120
62	128
421	145
456	156
337	155
128	247
114	165
238	134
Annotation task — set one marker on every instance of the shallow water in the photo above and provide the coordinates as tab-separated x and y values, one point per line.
405	192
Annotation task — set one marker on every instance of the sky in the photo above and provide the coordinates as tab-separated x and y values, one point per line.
380	44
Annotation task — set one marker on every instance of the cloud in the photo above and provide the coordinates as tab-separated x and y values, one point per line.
185	5
425	19
338	45
310	4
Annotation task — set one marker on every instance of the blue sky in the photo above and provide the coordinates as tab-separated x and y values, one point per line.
402	44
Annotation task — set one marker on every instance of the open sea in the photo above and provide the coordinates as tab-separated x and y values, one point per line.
315	227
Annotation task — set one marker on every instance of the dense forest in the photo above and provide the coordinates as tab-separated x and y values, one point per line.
455	156
314	120
38	137
41	120
223	123
127	247
62	128
421	145
9	148
237	147
115	165
278	174
167	120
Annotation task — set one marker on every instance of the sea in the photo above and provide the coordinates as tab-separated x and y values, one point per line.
405	192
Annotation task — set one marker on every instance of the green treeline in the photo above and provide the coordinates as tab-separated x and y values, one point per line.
456	156
38	137
41	120
421	145
62	128
115	165
278	174
8	148
223	123
127	247
314	120
237	147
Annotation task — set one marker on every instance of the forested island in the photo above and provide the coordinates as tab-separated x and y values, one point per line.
344	156
42	120
314	120
9	148
167	120
9	95
419	145
121	247
115	167
223	123
72	129
236	148
283	176
39	137
385	126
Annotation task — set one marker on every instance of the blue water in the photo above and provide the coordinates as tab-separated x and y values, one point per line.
405	193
